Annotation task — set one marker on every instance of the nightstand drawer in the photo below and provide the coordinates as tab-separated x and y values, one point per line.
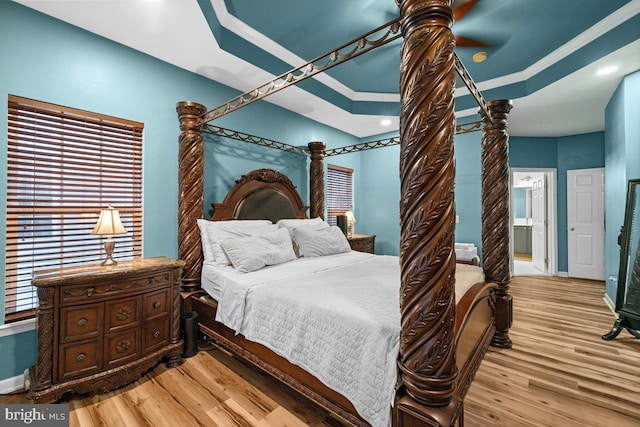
155	334
80	359
122	313
100	290
362	243
156	304
81	323
121	348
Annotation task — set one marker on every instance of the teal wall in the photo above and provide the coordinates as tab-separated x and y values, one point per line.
584	151
529	152
381	195
17	353
49	60
468	190
379	198
622	151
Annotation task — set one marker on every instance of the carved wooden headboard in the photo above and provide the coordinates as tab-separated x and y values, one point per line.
261	194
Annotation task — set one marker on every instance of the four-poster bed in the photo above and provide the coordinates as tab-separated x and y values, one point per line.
441	343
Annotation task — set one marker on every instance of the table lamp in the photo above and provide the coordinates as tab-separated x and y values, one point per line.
351	220
109	224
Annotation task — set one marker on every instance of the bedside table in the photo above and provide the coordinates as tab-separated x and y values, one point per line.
362	242
101	327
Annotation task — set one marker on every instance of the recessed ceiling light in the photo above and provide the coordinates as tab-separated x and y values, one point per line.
607	70
479	57
385	122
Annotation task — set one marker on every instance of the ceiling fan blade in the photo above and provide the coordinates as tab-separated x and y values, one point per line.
460	11
466	42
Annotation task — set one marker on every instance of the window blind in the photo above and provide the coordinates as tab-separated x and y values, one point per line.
63	167
339	191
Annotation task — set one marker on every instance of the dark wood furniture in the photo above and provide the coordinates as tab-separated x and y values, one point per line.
628	292
102	327
474	326
362	242
442	344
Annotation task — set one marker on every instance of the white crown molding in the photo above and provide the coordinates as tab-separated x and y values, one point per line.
610	22
597	30
617	18
243	30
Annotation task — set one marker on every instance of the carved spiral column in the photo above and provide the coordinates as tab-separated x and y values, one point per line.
316	179
495	215
191	189
427	212
44	365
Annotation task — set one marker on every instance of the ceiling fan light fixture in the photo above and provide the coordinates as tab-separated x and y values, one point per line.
479	56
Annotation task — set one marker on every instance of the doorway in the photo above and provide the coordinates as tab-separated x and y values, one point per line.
585	222
533	222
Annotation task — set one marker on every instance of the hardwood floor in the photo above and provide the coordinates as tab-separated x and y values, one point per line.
558	373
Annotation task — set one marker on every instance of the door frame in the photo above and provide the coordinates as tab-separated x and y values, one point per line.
552	215
604	215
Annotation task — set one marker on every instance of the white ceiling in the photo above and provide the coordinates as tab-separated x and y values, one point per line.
176	31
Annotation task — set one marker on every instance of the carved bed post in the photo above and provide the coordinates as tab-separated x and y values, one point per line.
495	215
191	191
427	216
316	179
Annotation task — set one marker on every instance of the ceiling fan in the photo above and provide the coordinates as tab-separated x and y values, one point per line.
461	8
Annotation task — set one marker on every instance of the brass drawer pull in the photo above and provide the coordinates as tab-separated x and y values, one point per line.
156	334
82	322
156	304
90	291
81	357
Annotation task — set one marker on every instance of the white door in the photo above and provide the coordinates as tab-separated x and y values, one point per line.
539	221
585	222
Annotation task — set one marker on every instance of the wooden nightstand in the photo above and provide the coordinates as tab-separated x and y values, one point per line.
362	242
102	327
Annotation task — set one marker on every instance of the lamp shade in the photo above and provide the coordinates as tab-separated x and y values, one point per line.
109	222
350	218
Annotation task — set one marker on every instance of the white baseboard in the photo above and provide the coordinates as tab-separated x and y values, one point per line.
17	327
609	303
9	385
563	273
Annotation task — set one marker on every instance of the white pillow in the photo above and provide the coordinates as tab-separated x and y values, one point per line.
297	222
212	232
207	253
326	241
291	224
255	252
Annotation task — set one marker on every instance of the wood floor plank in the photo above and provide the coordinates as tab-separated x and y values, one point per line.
558	373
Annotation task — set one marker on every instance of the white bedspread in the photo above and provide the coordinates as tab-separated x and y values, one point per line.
336	316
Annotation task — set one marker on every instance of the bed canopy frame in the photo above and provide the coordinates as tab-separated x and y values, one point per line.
427	213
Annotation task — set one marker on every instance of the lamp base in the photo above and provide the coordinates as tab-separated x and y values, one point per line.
109	246
109	261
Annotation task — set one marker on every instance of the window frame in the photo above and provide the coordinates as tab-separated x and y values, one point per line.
339	180
63	166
